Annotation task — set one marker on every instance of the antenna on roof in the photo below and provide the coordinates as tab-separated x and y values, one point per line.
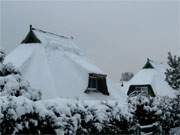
148	64
148	59
30	27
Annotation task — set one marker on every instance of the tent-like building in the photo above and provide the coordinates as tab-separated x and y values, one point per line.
54	64
150	81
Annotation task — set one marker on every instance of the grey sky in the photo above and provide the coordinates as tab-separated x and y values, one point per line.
116	36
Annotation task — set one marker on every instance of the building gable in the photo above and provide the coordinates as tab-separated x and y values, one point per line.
31	37
148	64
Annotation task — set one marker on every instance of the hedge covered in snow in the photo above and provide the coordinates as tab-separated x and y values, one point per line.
164	110
92	117
15	85
19	115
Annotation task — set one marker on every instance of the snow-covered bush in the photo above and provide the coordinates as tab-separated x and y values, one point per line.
176	108
7	69
143	109
173	72
63	116
19	115
85	118
168	112
13	84
164	110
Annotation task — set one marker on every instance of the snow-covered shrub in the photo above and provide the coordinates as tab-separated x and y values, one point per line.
13	84
165	112
168	112
79	117
143	109
173	72
175	131
118	121
176	108
148	110
7	69
19	115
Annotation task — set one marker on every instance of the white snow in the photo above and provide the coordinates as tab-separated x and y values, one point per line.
63	106
59	68
175	131
21	55
63	114
144	76
155	77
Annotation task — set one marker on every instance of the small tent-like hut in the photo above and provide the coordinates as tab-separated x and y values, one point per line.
150	81
54	64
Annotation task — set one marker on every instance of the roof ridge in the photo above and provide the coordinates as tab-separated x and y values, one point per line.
46	32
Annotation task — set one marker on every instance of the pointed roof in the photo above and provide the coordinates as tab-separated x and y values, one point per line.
30	37
57	67
148	65
155	77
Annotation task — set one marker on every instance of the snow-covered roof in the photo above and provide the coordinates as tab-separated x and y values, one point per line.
145	76
57	67
52	42
155	77
62	42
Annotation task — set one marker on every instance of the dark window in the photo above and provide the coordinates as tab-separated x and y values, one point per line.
92	83
97	83
140	89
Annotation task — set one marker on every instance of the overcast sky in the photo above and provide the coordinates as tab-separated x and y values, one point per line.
116	36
